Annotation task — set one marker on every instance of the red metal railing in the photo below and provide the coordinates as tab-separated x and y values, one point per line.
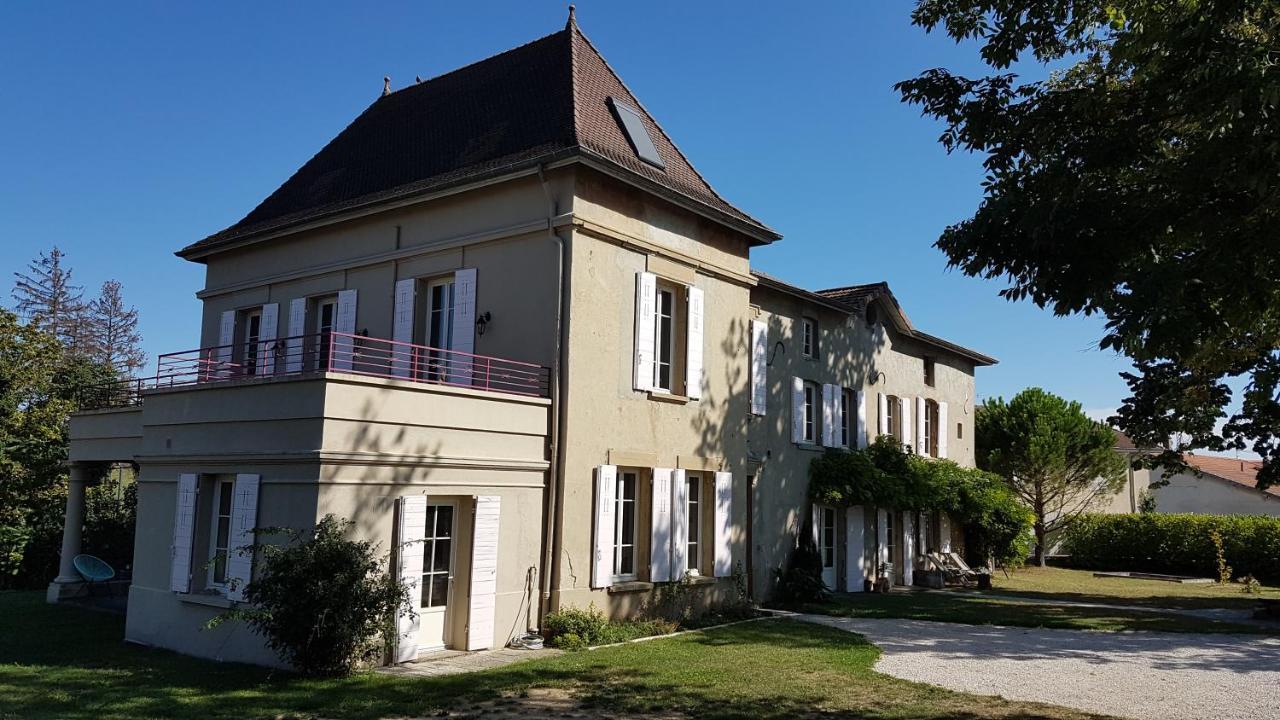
328	352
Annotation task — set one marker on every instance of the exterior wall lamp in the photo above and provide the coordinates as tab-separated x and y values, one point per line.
482	322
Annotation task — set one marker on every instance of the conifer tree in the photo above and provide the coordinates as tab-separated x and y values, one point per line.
113	331
46	298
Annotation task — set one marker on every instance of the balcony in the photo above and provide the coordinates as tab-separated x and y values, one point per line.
321	353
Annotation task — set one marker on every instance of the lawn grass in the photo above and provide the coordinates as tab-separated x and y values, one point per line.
975	609
1081	585
60	662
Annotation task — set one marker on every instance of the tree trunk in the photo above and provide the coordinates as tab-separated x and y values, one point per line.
1039	557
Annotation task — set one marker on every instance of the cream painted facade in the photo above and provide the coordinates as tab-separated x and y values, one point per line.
637	462
864	360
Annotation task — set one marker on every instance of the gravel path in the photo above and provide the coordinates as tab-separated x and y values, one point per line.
1146	675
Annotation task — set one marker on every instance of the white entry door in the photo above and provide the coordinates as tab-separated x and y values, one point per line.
827	544
437	577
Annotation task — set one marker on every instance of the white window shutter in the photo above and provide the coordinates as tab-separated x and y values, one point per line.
883	403
882	538
908	547
646	314
606	509
724	525
904	408
944	532
815	513
461	367
942	431
693	345
226	338
268	334
344	321
797	410
484	573
856	549
402	327
921	419
184	525
680	524
244	518
660	527
829	411
860	398
410	548
759	358
297	328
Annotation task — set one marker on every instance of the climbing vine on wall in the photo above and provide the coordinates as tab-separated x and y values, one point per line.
996	524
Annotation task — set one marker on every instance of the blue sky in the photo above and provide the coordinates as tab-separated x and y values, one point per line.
128	130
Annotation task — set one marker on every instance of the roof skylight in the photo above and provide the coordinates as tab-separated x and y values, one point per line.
633	127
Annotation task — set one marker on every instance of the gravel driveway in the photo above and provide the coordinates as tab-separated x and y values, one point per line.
1147	675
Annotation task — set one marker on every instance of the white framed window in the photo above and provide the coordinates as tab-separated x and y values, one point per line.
665	339
438	332
892	418
624	529
846	417
220	532
810	412
693	513
808	337
827	538
930	428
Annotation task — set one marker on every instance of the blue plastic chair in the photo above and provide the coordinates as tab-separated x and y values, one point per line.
94	570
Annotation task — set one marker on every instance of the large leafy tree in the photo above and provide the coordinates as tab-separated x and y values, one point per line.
1138	181
1053	457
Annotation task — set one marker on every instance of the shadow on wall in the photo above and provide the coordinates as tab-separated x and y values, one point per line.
846	356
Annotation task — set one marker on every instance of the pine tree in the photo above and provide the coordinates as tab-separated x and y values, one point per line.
113	331
47	299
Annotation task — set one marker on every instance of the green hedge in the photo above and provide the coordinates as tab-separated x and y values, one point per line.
1175	544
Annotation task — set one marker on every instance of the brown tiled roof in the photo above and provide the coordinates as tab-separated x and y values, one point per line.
853	300
537	103
1240	472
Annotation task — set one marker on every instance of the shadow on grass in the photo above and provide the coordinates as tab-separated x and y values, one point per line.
68	663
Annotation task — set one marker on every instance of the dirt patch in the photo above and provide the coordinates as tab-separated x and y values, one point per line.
546	704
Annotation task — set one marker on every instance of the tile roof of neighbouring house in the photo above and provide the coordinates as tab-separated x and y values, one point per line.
538	103
1240	472
853	299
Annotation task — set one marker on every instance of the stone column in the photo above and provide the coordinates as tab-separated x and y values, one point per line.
72	527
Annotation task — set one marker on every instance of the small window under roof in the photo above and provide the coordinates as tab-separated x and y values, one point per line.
633	128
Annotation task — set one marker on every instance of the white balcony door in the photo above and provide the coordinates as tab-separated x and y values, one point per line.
326	316
439	330
437	576
252	336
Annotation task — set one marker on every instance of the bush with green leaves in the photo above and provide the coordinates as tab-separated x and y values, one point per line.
996	524
578	629
1176	544
801	580
325	603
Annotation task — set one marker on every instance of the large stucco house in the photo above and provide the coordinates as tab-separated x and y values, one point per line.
503	325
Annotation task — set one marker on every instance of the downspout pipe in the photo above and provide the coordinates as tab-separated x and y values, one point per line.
555	480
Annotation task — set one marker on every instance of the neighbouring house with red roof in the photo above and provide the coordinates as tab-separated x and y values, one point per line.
1215	486
503	325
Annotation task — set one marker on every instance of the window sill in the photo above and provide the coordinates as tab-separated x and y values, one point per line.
668	397
701	580
809	446
207	599
630	587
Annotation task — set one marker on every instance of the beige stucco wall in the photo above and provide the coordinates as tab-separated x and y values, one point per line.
110	435
335	444
1187	493
620	233
852	355
499	230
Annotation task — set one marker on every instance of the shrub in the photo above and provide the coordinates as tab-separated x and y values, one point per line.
996	523
801	581
324	603
577	629
1176	544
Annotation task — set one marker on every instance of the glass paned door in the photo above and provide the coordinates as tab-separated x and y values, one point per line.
439	330
827	545
437	576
